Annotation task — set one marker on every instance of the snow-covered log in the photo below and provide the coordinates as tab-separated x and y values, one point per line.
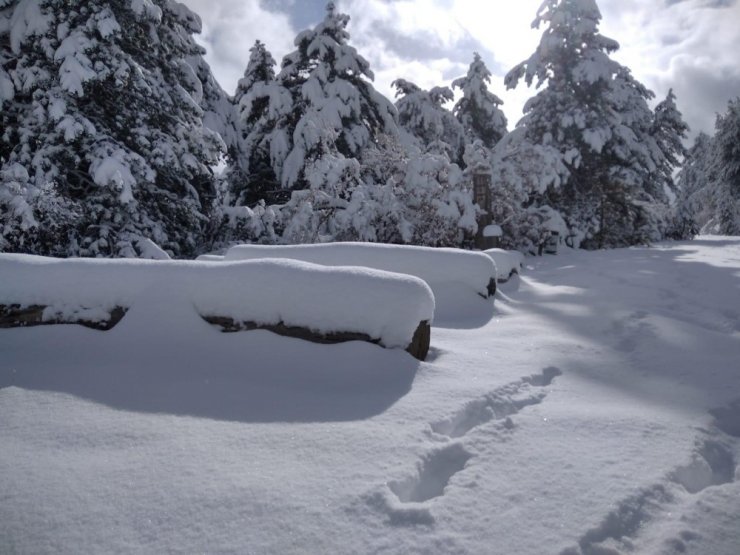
293	297
507	263
436	266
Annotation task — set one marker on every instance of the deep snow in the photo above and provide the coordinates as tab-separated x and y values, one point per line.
592	409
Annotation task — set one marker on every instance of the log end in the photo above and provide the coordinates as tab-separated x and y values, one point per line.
419	347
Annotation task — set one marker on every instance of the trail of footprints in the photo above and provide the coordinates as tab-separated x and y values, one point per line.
498	405
713	463
438	466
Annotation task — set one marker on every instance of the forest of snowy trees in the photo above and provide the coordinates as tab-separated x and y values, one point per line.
117	140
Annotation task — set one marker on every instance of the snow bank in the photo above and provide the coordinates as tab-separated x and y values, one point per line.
435	266
507	262
386	307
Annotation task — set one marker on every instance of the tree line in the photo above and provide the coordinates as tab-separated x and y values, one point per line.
115	134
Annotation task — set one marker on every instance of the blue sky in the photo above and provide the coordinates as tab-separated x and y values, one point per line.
689	45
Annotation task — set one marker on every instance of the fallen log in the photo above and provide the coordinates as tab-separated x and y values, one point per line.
339	303
438	267
17	316
418	348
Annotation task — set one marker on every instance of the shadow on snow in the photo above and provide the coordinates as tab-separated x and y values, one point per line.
197	371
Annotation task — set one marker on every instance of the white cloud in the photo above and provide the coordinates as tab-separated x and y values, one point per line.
230	28
431	42
689	45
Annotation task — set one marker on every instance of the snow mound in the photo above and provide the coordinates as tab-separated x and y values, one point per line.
507	262
436	266
385	306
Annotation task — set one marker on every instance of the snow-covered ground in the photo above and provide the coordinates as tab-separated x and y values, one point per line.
593	408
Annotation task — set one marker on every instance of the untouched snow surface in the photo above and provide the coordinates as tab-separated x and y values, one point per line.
325	300
593	409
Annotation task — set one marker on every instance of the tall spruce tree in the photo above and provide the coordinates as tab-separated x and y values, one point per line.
709	180
335	108
431	127
595	114
726	169
262	103
693	209
478	109
522	174
103	145
669	131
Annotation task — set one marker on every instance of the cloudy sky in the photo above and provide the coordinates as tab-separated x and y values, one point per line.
692	46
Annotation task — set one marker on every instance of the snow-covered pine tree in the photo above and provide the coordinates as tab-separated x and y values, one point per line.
726	167
335	108
669	131
694	203
262	103
29	215
438	205
242	213
478	109
595	114
219	114
429	126
634	204
103	140
333	143
522	173
324	211
7	88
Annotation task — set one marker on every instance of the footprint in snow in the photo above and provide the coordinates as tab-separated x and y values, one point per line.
405	500
433	474
712	464
497	405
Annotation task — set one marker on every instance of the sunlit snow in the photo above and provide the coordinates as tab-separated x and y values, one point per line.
592	408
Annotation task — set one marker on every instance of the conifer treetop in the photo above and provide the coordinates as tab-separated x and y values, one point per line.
335	108
260	68
571	48
478	109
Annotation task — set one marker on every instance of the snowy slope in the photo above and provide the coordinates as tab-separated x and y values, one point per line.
590	410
